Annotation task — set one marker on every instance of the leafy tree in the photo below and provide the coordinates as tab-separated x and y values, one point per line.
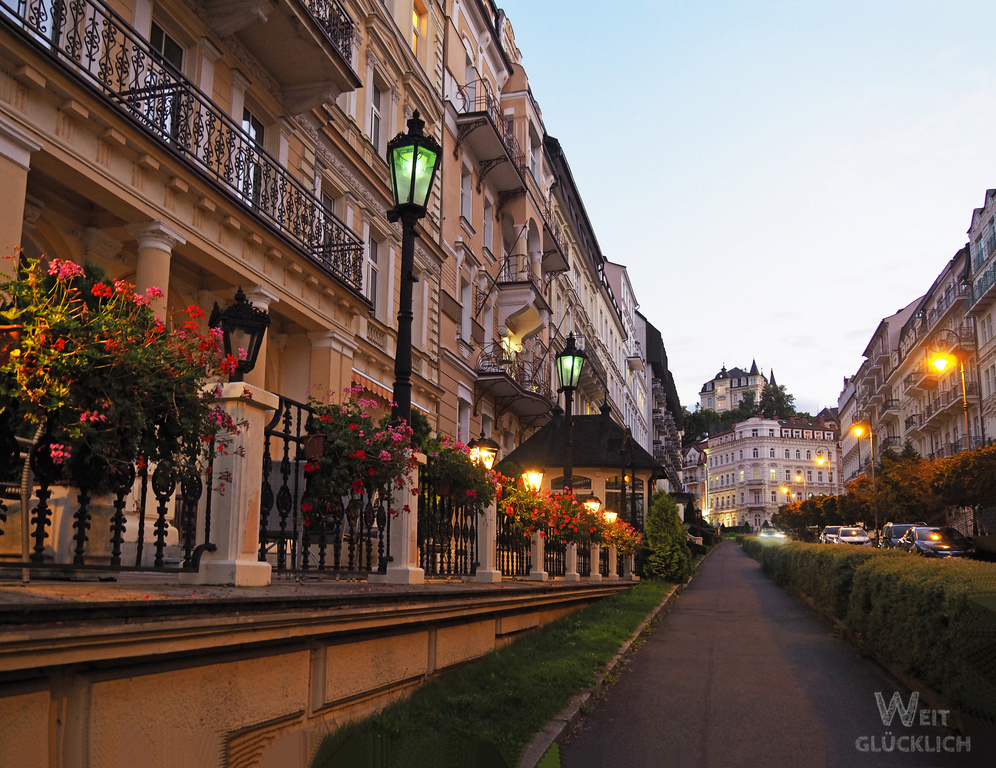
702	422
748	406
667	556
776	402
968	479
904	491
856	505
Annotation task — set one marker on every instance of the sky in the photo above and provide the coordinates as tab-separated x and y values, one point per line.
778	176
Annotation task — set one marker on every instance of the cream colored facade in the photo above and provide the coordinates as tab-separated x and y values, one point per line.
725	391
752	468
217	158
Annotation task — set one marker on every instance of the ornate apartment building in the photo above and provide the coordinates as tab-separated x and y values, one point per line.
200	146
761	464
725	391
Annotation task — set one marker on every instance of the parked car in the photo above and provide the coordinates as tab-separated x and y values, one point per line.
856	536
936	542
771	534
829	534
893	532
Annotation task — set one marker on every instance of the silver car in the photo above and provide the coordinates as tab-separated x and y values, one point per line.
856	536
829	534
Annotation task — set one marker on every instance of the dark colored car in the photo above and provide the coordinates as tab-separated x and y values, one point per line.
829	534
893	532
936	542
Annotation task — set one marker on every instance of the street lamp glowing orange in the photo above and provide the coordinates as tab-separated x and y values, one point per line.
858	431
941	362
610	517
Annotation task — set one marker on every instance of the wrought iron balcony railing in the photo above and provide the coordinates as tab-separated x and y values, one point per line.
479	96
335	22
532	375
93	42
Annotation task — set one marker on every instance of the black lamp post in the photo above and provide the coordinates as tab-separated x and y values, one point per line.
243	327
569	364
413	159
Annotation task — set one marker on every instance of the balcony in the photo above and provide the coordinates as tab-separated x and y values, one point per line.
517	384
319	33
914	421
125	71
983	293
523	296
890	404
923	377
482	128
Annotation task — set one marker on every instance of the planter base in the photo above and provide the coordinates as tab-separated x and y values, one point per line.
484	577
239	573
399	574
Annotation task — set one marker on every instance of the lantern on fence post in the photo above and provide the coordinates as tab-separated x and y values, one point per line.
243	327
484	451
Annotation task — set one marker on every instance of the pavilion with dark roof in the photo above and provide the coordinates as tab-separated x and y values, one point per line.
602	447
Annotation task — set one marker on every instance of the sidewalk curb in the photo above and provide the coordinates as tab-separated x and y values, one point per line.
565	720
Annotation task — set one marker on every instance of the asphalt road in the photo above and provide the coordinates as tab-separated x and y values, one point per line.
741	673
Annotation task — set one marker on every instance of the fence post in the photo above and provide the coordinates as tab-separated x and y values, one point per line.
487	544
613	576
629	568
235	509
596	563
571	563
403	567
539	551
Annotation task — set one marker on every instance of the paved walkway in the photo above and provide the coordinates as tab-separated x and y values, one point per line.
741	673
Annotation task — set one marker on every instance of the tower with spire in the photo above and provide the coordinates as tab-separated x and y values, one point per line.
725	391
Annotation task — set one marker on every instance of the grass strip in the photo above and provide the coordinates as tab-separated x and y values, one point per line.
486	712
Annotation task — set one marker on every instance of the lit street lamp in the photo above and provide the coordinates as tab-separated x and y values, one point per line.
533	479
484	451
821	459
858	431
413	159
569	365
941	362
592	503
800	478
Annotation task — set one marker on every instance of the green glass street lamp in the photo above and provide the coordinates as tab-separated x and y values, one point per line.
413	159
569	365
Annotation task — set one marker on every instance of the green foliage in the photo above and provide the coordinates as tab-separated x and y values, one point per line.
776	402
904	489
968	479
666	552
490	710
936	620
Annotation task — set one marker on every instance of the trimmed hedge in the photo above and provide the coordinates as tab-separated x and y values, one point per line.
934	620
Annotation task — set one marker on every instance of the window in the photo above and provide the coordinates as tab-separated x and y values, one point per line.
771	453
819	475
466	195
467	300
771	433
774	476
809	475
809	454
773	499
487	226
163	106
418	26
753	433
757	497
250	183
787	453
371	272
798	454
788	475
376	96
755	453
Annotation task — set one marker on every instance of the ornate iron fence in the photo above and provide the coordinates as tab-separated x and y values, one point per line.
554	557
104	51
101	532
513	550
584	560
345	537
447	533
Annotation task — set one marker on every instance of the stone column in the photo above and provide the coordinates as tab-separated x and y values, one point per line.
629	569
156	241
16	147
235	511
331	364
596	562
487	544
403	567
538	549
261	298
613	576
571	563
